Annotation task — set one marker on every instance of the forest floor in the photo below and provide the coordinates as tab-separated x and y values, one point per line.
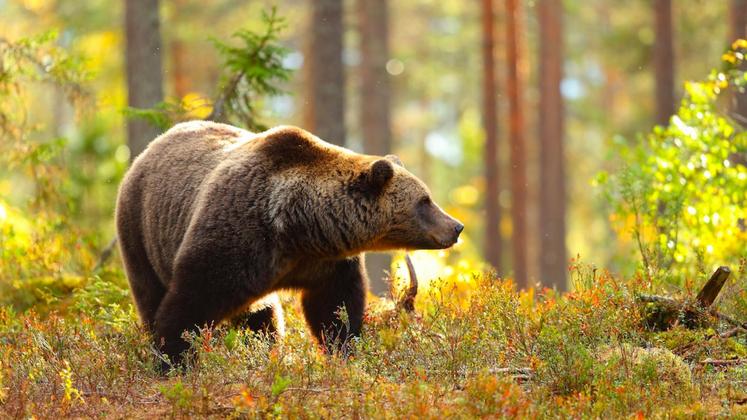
473	348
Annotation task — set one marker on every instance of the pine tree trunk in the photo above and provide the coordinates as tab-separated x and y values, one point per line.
664	61
517	146
375	117
144	68
738	30
178	71
324	112
737	20
552	166
490	125
177	52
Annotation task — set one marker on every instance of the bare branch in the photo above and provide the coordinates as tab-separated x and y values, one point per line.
408	300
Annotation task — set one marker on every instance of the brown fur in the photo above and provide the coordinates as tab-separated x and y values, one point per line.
212	218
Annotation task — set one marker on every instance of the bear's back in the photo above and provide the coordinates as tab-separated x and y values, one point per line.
161	187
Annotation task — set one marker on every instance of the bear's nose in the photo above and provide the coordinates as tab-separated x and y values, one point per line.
458	228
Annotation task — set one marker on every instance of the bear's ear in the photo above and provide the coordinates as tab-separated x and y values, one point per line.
371	181
380	173
395	160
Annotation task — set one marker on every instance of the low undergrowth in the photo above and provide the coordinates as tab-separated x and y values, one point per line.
469	350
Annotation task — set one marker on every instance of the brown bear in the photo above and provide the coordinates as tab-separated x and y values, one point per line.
212	218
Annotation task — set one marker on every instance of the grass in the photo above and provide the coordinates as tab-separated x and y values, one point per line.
472	349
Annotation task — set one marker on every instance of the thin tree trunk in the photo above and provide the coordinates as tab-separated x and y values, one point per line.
178	54
324	112
737	20
738	30
375	106
490	125
552	166
178	73
144	68
664	61
517	146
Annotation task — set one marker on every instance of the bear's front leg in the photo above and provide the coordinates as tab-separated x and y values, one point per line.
343	285
195	301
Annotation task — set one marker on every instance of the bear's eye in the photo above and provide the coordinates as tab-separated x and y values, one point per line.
424	201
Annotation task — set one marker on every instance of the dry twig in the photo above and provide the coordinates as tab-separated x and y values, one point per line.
408	300
723	362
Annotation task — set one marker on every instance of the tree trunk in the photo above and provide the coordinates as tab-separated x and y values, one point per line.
178	53
552	166
144	72
324	112
737	30
517	153
664	61
178	73
737	20
375	106
490	125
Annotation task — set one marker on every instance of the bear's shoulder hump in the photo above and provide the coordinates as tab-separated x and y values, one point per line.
289	146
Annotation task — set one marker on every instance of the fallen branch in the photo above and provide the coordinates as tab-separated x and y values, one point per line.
520	373
658	299
728	319
723	362
732	332
512	371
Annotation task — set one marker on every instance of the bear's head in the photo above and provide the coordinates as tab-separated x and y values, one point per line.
407	216
329	200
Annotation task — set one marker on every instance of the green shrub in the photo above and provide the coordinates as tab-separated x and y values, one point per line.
681	190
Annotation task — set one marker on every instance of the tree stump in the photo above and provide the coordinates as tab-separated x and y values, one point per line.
663	313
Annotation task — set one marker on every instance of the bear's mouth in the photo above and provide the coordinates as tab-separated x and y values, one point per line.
441	244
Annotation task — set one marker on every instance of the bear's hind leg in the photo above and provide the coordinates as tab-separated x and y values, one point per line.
342	286
148	292
147	289
265	316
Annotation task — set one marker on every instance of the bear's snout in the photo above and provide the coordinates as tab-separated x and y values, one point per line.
448	231
456	231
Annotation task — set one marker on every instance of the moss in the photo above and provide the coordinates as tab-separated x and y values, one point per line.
649	366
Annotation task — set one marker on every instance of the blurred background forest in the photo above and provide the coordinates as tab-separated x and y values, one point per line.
594	149
531	121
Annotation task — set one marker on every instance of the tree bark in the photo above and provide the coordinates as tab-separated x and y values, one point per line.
517	146
324	112
490	125
375	116
738	30
178	69
713	286
664	61
737	20
553	253
144	68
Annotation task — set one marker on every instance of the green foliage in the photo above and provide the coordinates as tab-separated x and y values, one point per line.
34	59
106	298
250	72
163	115
683	190
179	396
43	253
279	385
